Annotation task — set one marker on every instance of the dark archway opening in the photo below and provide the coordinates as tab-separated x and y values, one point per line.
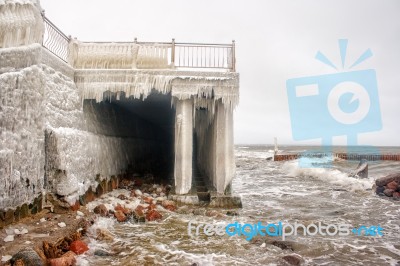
144	126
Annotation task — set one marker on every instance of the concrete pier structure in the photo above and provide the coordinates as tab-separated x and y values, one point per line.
76	114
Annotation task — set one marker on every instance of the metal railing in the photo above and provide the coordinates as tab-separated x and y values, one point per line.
154	54
55	40
192	55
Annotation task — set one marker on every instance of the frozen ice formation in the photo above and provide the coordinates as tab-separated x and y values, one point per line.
59	127
20	23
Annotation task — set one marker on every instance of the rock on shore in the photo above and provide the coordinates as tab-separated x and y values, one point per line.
389	186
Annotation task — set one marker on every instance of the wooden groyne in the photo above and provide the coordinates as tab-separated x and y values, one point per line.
344	156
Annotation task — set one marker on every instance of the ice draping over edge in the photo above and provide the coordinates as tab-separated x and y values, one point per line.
95	84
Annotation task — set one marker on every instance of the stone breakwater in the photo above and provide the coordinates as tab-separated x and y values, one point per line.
388	186
343	156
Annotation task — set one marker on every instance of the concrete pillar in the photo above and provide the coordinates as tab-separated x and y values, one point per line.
224	149
183	146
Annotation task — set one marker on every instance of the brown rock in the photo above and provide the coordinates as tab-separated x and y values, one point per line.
114	182
19	262
76	206
293	259
396	195
68	259
89	196
126	211
148	200
122	197
51	250
60	206
138	182
101	210
121	217
139	214
383	181
388	192
170	208
153	215
78	247
140	208
211	213
284	245
151	207
392	185
166	203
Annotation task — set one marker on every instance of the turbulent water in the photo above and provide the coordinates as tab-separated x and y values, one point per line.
272	192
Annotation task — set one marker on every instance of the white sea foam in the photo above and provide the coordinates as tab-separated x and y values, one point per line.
331	175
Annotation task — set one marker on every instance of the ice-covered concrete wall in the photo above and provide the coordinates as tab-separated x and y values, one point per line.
44	125
57	118
215	148
22	95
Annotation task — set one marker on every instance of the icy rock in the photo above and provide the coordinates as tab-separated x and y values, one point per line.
263	245
159	190
62	224
9	238
10	231
17	232
138	193
67	185
5	258
24	231
79	213
42	220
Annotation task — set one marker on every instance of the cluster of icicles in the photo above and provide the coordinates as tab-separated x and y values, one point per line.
101	87
87	55
20	23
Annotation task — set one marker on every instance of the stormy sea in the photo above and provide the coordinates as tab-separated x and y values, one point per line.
272	193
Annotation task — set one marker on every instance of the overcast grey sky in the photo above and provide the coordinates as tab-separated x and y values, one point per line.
276	40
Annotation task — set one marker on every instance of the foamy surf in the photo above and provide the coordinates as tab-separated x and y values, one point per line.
330	175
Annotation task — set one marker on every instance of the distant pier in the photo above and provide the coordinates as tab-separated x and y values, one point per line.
344	156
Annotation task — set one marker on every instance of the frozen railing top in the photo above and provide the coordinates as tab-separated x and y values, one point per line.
138	55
